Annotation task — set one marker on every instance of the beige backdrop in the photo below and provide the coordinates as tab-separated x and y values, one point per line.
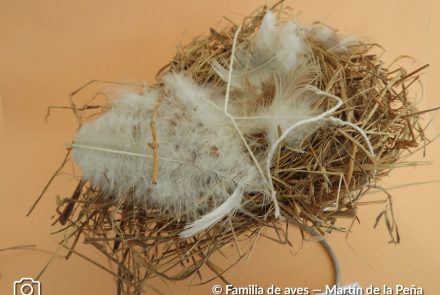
49	48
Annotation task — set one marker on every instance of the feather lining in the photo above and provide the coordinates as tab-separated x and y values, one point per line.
274	50
229	206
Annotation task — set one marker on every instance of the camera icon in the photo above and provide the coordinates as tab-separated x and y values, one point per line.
27	286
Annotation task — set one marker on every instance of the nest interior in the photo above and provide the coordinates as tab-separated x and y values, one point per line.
315	188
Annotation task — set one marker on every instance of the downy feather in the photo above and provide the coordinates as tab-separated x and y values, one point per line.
274	50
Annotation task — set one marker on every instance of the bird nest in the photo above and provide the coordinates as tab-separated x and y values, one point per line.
319	181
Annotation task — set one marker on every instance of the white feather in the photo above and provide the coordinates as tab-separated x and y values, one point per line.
292	102
330	39
202	100
199	165
273	50
229	206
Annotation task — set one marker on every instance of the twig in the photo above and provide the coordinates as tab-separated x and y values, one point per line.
66	158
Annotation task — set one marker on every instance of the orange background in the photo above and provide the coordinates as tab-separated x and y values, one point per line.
49	48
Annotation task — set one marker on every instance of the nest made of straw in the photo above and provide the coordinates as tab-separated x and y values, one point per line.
315	188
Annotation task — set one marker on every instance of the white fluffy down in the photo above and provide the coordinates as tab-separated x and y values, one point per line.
198	164
275	49
204	167
328	37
